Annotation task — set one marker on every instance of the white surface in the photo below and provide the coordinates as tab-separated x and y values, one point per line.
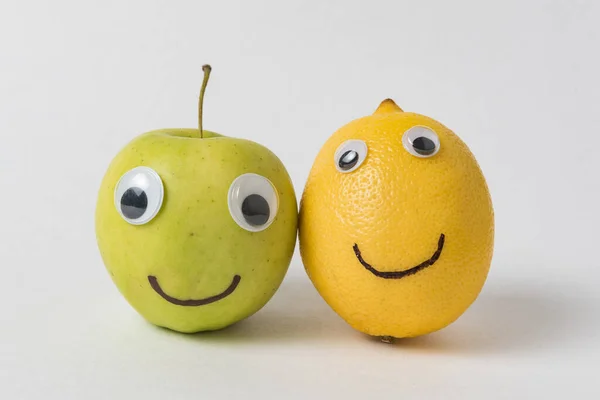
517	80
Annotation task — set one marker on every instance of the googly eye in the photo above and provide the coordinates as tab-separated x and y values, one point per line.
139	195
350	155
421	141
253	202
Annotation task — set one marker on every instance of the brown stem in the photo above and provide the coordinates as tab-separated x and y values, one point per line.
206	68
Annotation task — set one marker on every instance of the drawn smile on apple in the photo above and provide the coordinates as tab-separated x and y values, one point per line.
193	303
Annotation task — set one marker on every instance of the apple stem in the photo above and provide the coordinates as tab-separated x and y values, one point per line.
206	68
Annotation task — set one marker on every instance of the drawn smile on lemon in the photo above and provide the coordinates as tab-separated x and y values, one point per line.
406	272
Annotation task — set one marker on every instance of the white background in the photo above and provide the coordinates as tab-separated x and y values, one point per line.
517	80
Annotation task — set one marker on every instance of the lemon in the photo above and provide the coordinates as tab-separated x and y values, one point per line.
396	224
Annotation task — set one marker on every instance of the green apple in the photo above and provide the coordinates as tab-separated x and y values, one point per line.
196	229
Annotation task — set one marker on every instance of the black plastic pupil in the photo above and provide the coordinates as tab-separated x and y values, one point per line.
134	203
423	146
256	210
348	160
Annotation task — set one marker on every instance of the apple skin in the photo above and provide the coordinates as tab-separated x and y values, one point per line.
193	245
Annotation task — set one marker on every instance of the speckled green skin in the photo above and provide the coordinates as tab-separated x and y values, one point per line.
193	246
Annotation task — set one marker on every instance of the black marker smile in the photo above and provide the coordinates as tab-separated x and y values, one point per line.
402	274
193	303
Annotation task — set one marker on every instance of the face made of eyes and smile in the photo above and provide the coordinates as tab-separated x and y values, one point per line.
252	202
419	141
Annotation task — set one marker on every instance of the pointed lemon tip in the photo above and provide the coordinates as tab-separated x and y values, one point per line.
388	106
